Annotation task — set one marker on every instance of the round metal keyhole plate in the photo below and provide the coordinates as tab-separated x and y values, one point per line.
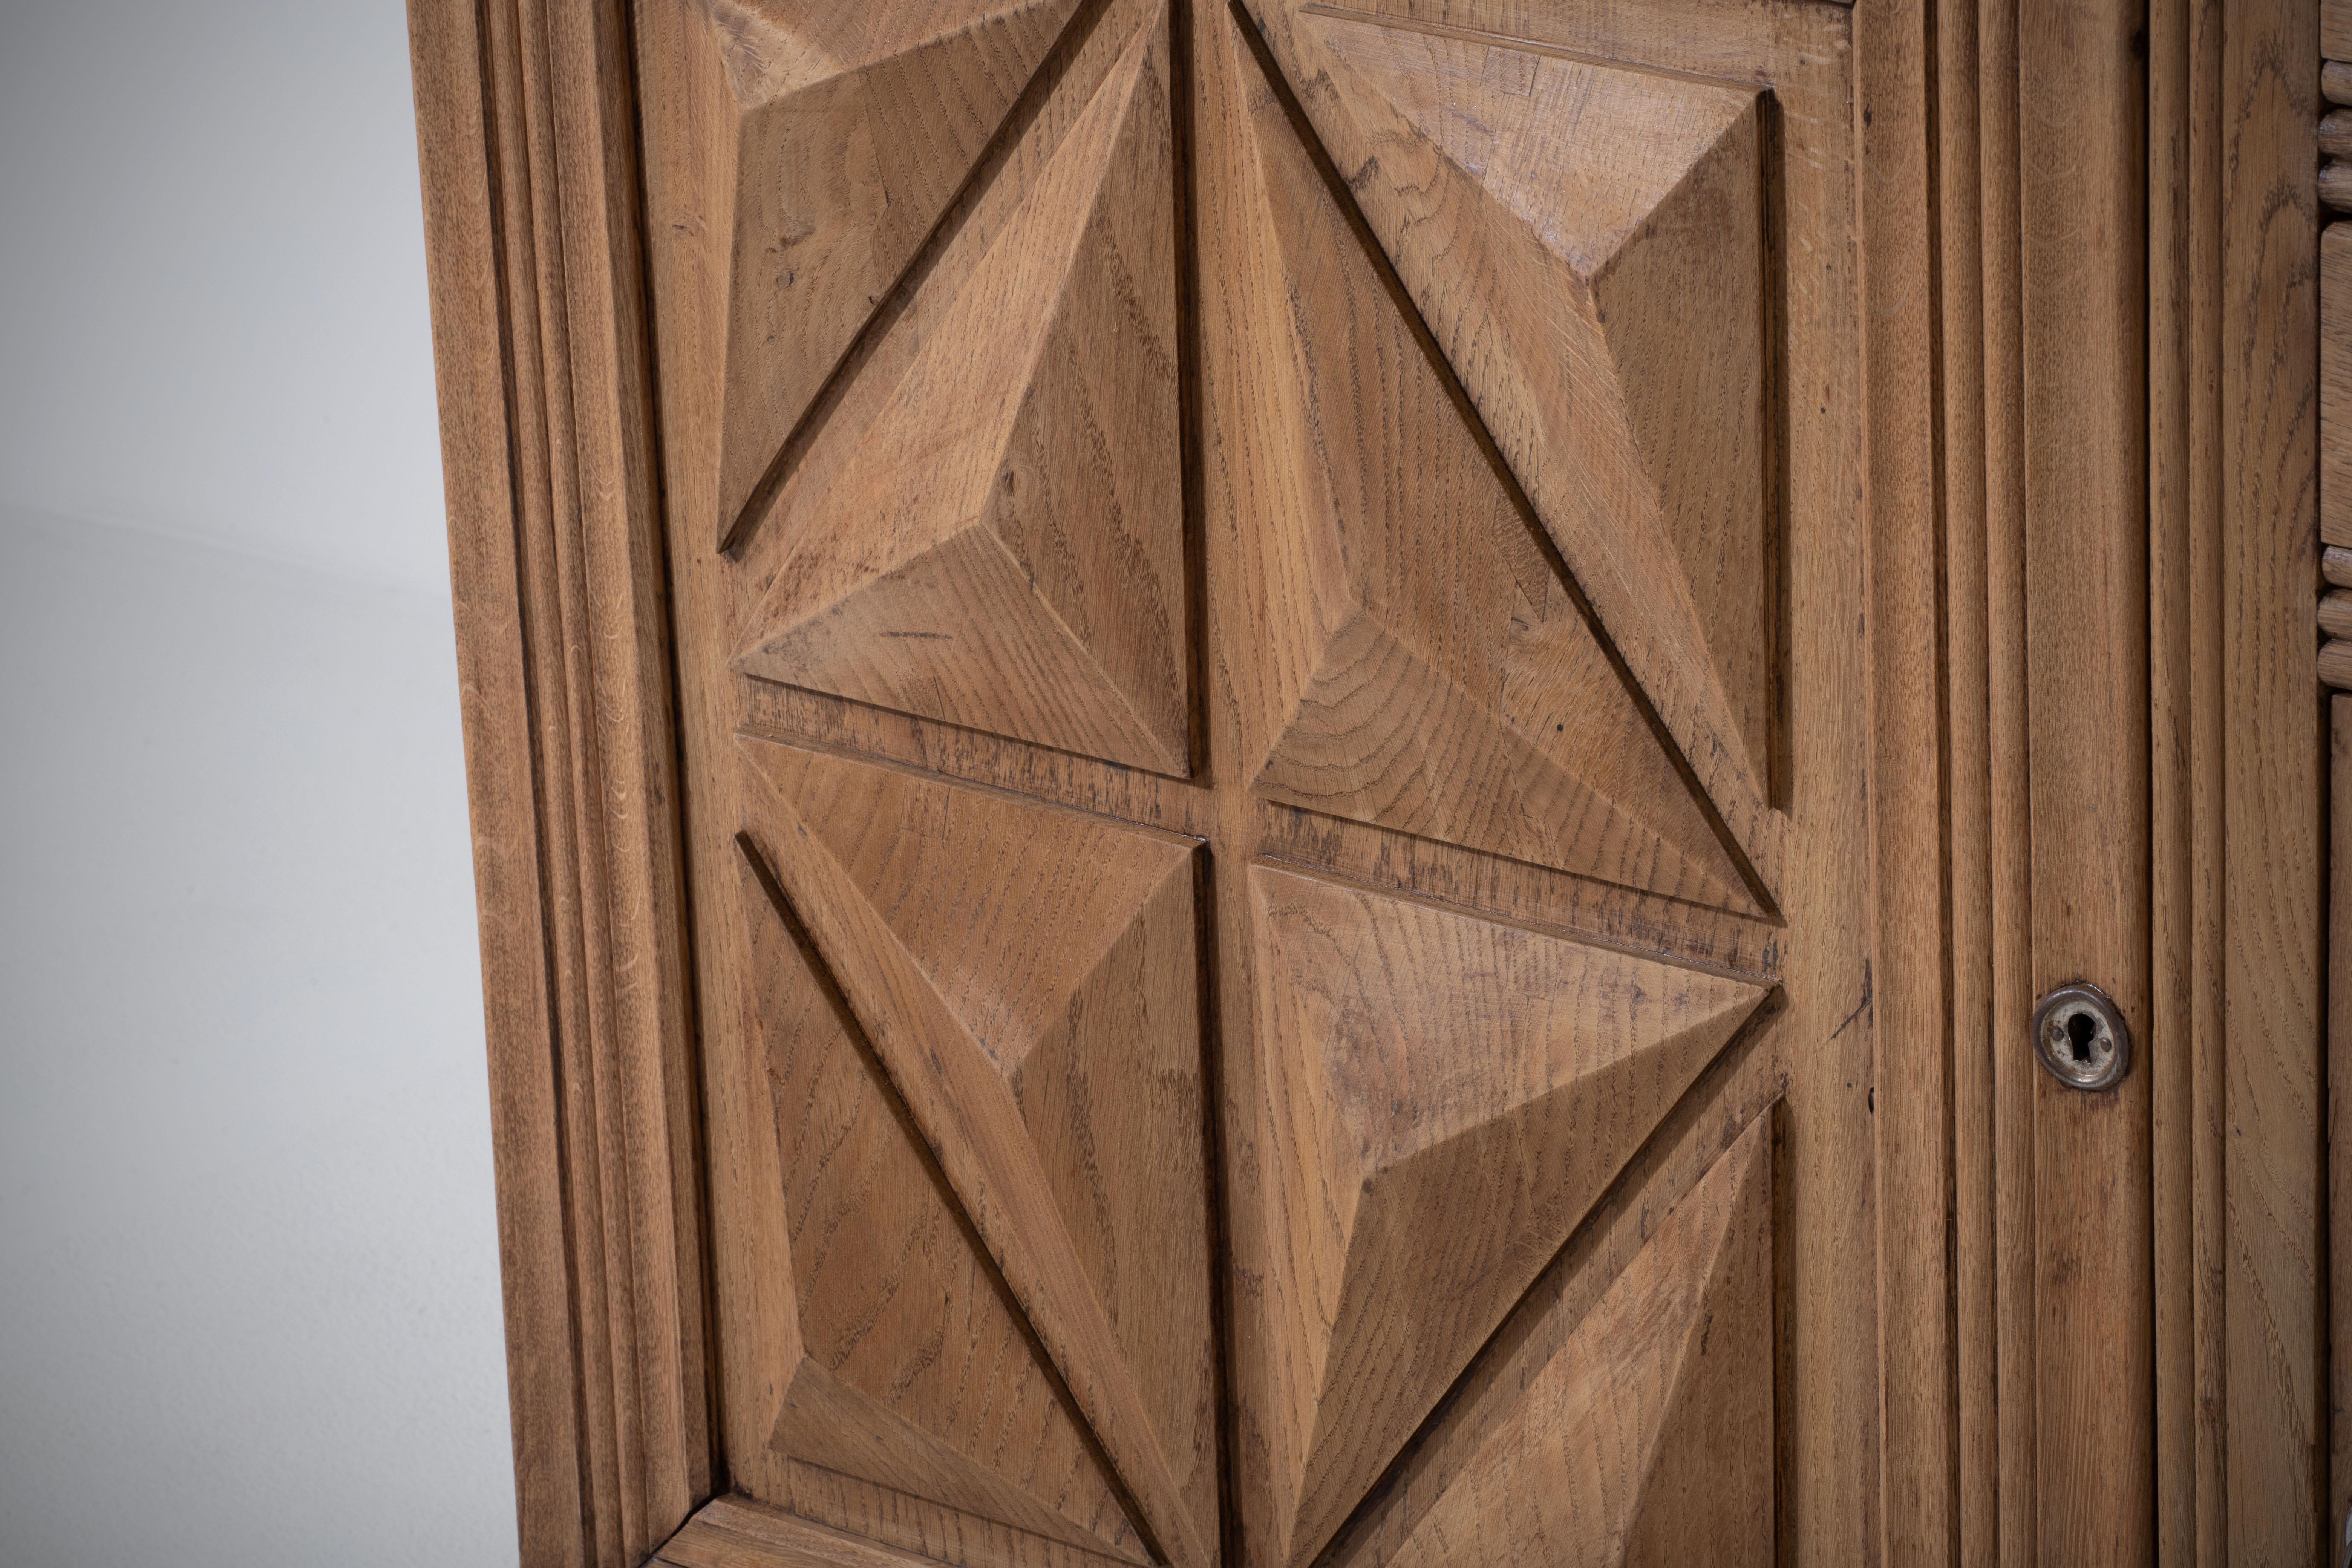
2080	1036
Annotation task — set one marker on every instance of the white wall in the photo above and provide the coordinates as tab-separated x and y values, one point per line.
214	320
248	1288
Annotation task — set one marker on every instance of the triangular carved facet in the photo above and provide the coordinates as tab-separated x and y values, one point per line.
913	1371
1426	668
1452	1094
1029	976
1004	550
1646	1440
1585	244
840	133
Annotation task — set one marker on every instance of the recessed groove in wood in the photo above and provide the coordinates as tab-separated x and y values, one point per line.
564	646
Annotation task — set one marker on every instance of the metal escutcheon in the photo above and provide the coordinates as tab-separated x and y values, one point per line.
2081	1038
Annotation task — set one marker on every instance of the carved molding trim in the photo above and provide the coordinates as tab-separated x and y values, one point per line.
526	141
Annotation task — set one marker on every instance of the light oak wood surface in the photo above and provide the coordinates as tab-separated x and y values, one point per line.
1005	549
1447	1135
1277	782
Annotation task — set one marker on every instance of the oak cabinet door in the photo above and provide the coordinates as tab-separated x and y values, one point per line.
1277	721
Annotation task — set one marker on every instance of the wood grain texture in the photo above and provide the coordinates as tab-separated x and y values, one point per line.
1807	55
2009	817
2082	195
1561	228
461	252
2184	1046
1005	549
1030	978
1910	994
1644	1440
905	1361
2336	29
735	1532
1454	1094
2336	613
2273	799
719	596
2335	665
2339	1108
1825	943
2336	385
829	141
1426	667
529	165
1968	631
728	1533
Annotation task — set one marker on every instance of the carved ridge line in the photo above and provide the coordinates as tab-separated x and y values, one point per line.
757	857
1525	46
1427	900
1385	269
1482	1394
1033	98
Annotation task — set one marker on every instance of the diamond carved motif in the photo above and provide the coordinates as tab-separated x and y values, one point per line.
1496	518
837	137
1585	244
1454	1093
1029	981
1004	551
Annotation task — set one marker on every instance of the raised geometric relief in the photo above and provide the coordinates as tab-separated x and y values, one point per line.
1029	978
912	1370
1450	1095
1423	664
1585	243
1005	549
832	137
1647	1438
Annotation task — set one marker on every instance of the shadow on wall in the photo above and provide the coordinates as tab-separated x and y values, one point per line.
248	1283
249	1259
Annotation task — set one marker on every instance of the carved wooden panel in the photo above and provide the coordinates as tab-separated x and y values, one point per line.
1238	671
833	138
1029	982
1426	665
1646	1439
1004	548
913	1369
1586	245
1456	1093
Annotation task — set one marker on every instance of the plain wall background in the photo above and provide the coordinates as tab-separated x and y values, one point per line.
248	1288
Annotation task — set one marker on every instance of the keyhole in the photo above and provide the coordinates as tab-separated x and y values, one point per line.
2081	1038
2081	1030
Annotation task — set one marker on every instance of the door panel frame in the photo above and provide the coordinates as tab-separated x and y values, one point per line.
528	144
526	139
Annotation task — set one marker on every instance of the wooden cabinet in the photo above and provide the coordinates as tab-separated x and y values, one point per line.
1283	784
